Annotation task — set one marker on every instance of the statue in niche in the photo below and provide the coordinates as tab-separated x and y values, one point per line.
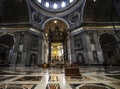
77	42
95	56
111	57
80	58
21	38
18	58
33	59
34	43
91	38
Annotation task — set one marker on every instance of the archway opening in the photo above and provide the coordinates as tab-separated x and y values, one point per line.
110	48
6	46
56	37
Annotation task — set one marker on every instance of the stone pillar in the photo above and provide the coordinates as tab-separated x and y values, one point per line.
69	50
40	49
86	47
72	49
98	49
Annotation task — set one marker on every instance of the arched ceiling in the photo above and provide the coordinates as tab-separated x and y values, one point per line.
14	11
100	11
55	8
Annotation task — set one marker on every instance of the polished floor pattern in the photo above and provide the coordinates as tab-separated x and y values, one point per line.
54	78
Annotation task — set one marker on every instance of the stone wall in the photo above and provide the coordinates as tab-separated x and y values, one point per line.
27	48
89	50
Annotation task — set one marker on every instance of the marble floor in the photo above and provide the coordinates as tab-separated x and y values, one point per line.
54	78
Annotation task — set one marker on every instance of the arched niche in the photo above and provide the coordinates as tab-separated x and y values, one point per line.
56	35
6	48
80	58
33	59
110	48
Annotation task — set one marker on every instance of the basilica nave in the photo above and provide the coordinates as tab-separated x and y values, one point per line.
59	44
